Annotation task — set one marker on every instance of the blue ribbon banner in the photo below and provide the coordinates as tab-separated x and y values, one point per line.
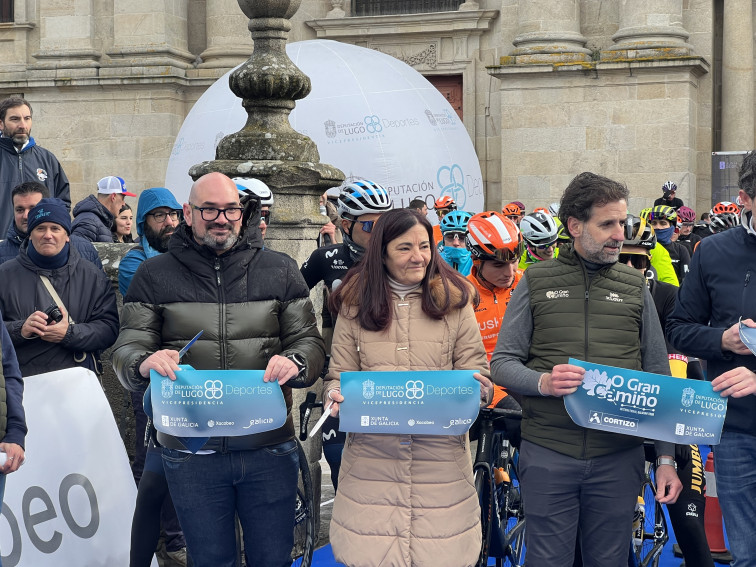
216	403
433	402
647	405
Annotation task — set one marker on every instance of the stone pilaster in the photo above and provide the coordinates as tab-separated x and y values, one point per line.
650	28
149	37
737	76
549	32
66	35
228	40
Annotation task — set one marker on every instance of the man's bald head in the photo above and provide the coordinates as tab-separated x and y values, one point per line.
210	194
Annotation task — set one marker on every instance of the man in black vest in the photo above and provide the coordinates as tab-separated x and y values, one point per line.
572	476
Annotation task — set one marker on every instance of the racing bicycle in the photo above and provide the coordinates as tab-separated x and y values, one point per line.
497	485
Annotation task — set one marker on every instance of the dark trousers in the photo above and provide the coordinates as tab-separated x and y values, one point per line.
597	495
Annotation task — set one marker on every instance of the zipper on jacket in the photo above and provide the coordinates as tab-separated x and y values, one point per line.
585	343
20	163
221	314
743	302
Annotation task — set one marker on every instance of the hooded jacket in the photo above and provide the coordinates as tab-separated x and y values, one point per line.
406	500
33	163
250	302
149	200
9	248
88	296
92	220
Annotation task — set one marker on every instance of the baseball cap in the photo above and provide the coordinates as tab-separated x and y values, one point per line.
112	184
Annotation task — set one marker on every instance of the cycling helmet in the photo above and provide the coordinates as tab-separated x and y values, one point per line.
541	210
455	221
554	208
539	229
362	197
644	213
723	221
669	187
512	210
725	207
686	214
662	212
445	202
492	236
639	233
256	188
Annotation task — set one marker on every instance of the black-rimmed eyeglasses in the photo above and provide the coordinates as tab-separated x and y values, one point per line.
208	214
162	215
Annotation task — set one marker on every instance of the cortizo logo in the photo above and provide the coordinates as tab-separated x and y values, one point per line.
558	294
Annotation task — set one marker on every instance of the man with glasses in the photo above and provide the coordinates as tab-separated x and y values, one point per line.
540	233
254	308
158	215
360	204
686	220
587	305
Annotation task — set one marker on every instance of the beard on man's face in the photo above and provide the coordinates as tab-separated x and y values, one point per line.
159	240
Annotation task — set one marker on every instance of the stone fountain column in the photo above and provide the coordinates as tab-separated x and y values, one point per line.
268	148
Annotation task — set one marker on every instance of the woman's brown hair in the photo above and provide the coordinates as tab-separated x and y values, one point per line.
366	287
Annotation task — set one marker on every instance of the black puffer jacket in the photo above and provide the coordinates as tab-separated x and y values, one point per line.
87	294
92	220
251	303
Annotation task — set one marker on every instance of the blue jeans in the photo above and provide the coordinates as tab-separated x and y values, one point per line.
735	470
259	485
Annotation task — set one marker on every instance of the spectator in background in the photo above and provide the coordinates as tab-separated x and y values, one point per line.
60	311
122	225
21	159
25	197
94	216
12	417
329	234
701	228
419	205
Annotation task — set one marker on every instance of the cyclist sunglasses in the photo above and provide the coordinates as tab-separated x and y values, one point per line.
544	246
367	225
638	261
452	236
265	216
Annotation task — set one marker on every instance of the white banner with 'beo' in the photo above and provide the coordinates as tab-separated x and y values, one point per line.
72	501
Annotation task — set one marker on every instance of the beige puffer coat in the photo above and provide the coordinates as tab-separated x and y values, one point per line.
406	500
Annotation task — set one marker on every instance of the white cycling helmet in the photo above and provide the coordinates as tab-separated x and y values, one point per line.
362	197
256	188
539	229
554	209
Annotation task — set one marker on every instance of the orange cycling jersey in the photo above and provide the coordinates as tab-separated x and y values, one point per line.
489	313
437	234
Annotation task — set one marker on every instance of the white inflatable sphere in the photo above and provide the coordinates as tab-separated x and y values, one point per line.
371	115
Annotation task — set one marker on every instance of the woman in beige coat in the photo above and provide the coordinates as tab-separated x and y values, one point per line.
405	500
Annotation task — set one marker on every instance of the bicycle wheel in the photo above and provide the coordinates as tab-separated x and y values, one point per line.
485	490
512	518
304	517
654	536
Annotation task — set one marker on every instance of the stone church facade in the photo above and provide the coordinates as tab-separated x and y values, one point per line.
639	90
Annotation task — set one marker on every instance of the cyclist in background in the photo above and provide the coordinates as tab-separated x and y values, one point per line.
452	248
443	206
514	211
668	198
687	513
260	190
540	232
360	203
664	220
686	220
495	244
